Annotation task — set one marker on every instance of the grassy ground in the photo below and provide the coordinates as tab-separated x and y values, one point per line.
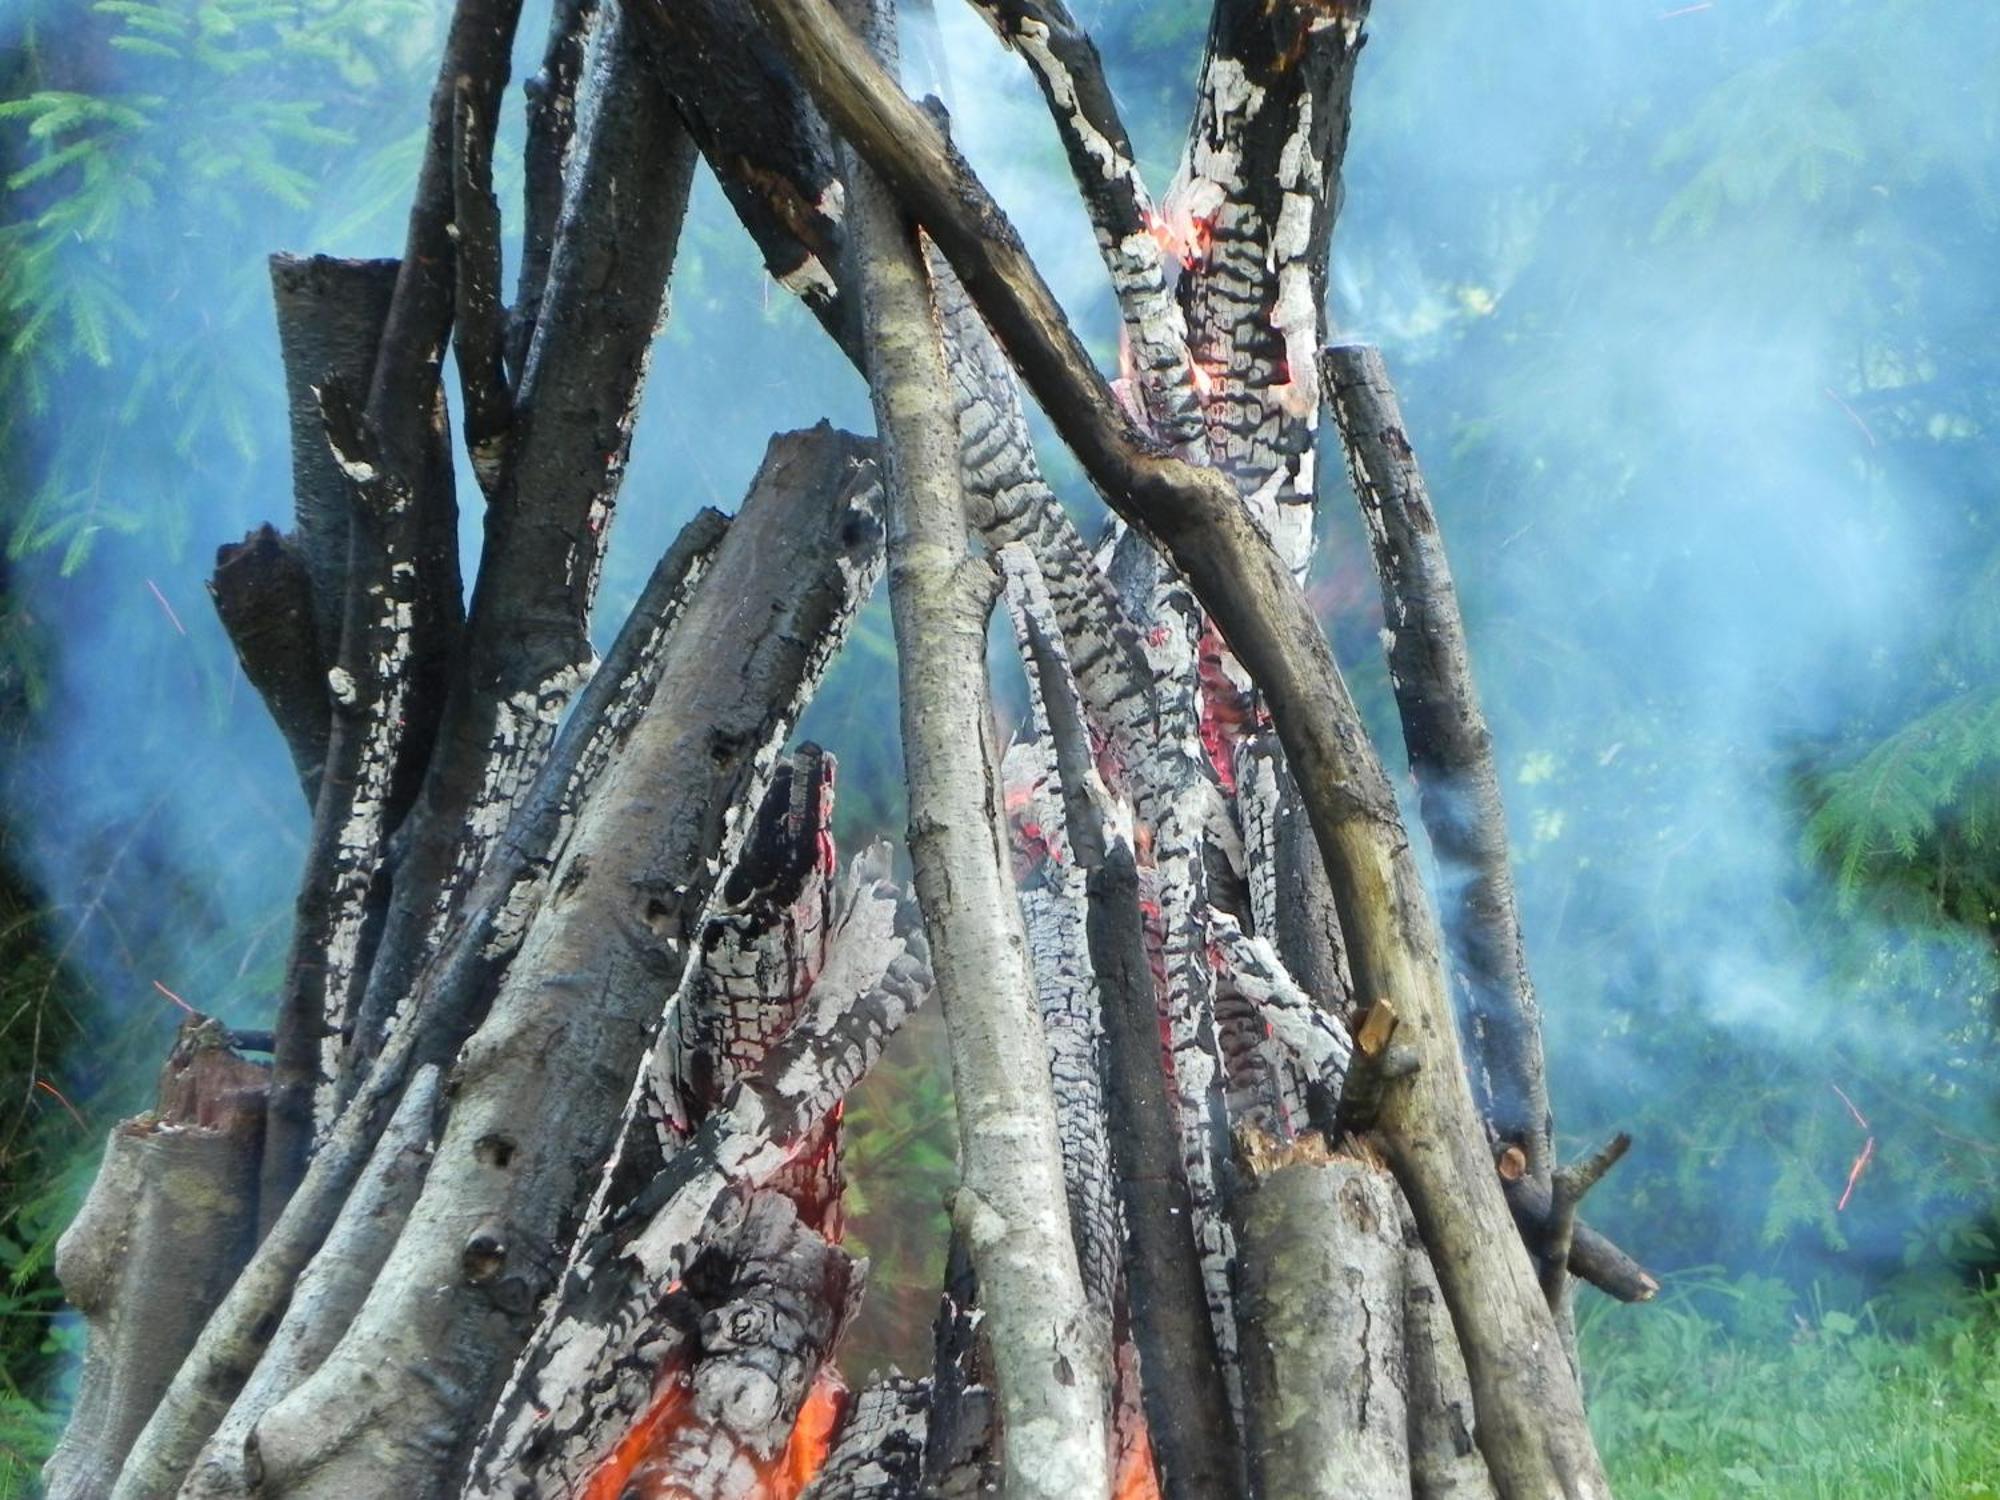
1733	1389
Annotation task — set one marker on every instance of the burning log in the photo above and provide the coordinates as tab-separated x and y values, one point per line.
169	1222
1261	172
590	1368
1066	66
879	1450
1536	1433
1182	1388
539	1085
758	1313
815	495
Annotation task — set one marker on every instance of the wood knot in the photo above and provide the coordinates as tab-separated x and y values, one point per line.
735	1325
484	1255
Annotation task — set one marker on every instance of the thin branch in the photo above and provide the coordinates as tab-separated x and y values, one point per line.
1010	1204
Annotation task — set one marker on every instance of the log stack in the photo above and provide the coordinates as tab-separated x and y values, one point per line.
540	1194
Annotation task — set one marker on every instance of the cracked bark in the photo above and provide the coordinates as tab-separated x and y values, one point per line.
590	1369
878	1452
758	1311
1182	1388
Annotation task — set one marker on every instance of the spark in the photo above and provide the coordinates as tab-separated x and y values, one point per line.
175	998
1867	1148
1854	1173
173	619
49	1088
1687	10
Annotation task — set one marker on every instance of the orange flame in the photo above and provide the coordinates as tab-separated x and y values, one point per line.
812	1435
623	1470
1136	1478
607	1480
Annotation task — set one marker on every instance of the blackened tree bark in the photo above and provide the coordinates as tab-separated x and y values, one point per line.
540	1193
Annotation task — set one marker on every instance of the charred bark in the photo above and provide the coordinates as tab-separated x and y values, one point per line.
591	1367
879	1452
556	470
263	592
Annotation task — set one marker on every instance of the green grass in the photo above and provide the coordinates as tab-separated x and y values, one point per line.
1733	1389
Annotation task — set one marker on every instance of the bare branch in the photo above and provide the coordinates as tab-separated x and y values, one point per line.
1010	1204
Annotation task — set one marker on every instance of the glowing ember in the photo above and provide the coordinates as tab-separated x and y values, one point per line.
1136	1478
662	1418
1182	236
175	998
625	1473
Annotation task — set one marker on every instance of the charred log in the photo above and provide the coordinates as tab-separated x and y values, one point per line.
263	592
1451	752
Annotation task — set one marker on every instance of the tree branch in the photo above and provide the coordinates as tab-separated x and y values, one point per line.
1010	1204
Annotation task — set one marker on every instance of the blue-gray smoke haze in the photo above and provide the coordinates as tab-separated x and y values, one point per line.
1648	400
